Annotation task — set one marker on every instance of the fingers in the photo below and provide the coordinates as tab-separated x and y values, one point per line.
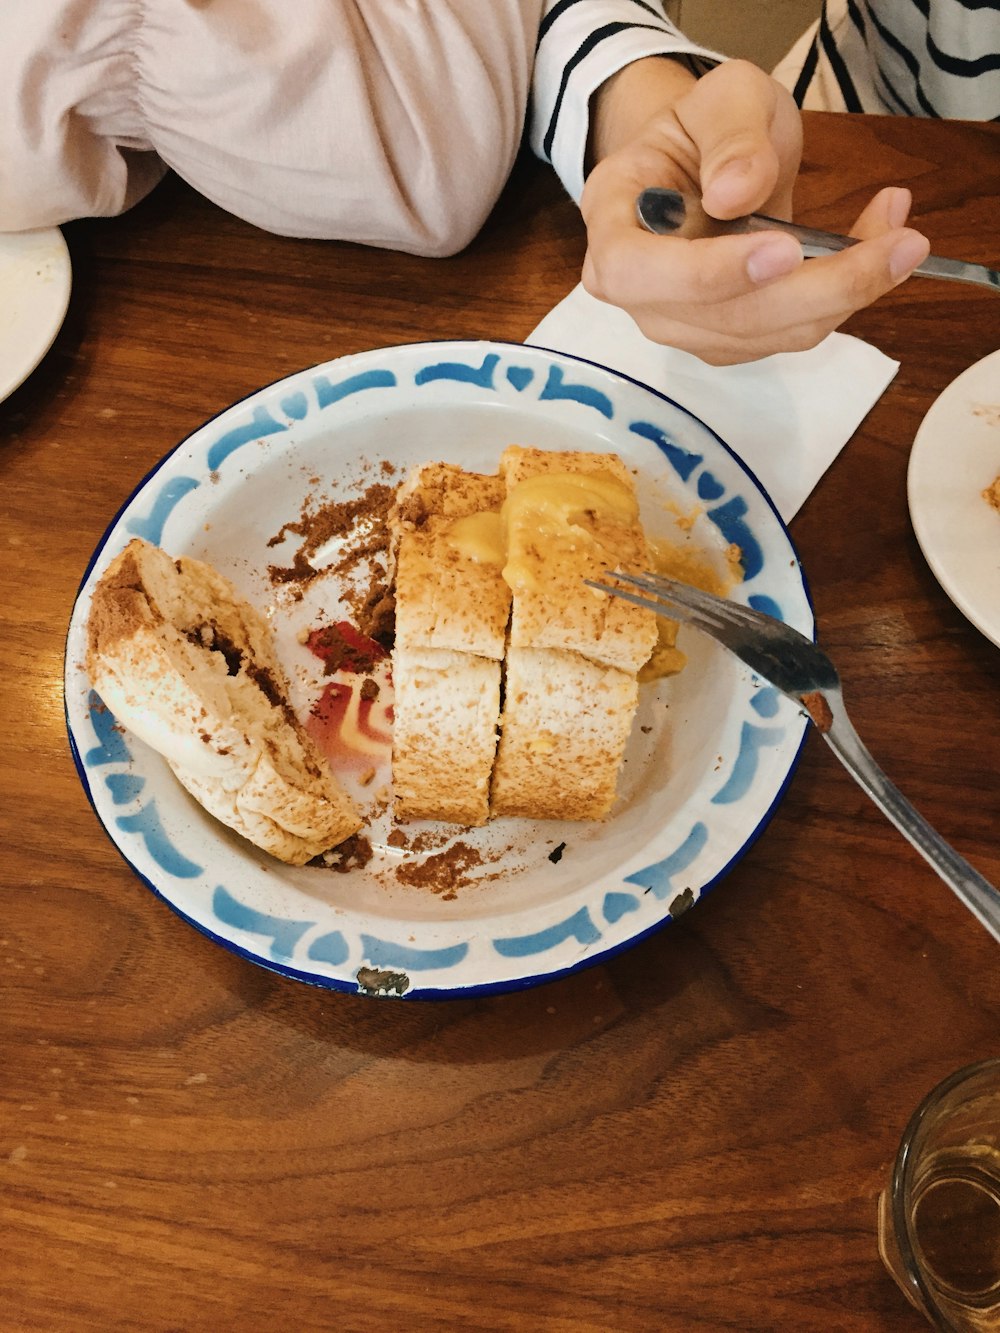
702	295
887	213
624	259
632	268
909	249
747	133
888	210
737	136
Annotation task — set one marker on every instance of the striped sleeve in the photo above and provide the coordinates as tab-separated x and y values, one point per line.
581	43
900	57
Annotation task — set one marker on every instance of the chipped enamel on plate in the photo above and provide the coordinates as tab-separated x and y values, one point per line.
35	281
711	750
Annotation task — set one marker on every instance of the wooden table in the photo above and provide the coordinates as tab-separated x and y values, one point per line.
690	1137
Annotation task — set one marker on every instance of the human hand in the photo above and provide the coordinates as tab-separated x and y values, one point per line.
734	137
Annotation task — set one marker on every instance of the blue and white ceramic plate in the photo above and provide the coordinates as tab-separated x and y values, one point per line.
712	748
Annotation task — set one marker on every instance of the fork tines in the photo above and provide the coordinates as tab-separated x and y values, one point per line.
686	603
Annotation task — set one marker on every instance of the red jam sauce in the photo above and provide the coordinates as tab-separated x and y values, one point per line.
351	721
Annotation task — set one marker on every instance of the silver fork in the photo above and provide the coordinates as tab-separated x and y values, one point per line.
673	213
793	664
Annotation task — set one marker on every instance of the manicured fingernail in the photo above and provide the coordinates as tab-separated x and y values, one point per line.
898	208
774	258
910	250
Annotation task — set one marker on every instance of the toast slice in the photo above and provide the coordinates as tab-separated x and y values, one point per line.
452	608
446	706
189	666
449	593
558	534
573	653
566	722
490	570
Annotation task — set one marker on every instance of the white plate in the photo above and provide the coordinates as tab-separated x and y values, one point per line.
955	456
710	755
35	279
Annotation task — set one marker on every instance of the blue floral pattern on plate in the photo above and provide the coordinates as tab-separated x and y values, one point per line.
703	775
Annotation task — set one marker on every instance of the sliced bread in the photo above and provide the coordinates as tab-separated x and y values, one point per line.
445	711
188	665
566	721
580	522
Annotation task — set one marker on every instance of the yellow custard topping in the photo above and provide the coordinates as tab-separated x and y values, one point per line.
691	567
544	517
564	520
480	537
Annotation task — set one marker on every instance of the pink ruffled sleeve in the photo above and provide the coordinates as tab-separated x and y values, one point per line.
386	122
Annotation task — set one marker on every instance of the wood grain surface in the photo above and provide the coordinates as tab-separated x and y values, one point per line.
691	1137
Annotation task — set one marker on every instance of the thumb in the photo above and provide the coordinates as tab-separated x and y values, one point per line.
748	136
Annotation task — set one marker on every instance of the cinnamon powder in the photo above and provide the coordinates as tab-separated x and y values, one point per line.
443	872
362	525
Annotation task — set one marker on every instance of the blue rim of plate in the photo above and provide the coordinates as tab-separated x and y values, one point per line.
474	363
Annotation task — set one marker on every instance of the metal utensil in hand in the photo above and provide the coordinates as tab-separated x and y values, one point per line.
798	668
674	213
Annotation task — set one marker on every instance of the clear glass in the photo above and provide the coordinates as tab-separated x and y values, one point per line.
939	1219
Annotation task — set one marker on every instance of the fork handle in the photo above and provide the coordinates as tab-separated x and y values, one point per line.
978	894
815	243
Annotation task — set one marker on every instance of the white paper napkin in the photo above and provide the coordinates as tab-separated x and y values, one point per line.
787	416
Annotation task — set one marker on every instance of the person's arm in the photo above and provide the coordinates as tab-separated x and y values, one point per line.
626	101
732	135
583	48
377	121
